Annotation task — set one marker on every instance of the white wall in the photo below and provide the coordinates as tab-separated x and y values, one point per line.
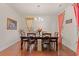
53	24
70	30
8	37
49	23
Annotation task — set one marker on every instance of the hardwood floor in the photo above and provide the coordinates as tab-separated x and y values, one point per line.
14	50
66	52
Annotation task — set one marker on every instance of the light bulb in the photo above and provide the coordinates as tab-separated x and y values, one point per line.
35	18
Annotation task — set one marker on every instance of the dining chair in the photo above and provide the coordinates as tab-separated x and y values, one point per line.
23	34
31	42
53	41
46	42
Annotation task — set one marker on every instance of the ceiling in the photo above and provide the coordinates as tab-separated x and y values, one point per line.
38	8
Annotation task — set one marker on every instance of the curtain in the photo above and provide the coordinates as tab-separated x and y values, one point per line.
60	24
76	11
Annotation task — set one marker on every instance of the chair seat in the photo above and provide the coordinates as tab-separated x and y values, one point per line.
53	40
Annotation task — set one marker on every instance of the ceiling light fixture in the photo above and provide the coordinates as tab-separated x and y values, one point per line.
38	19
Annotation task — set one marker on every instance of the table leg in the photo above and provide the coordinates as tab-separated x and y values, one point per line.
56	45
21	44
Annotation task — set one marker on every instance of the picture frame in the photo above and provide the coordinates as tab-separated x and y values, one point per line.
69	21
11	24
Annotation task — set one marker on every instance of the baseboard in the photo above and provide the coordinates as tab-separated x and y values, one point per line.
8	45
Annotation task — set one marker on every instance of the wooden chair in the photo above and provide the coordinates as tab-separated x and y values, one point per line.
53	41
23	34
31	42
46	42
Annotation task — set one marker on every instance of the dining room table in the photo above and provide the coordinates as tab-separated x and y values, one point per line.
39	39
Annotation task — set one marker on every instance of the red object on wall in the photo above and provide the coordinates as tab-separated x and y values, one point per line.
76	10
60	23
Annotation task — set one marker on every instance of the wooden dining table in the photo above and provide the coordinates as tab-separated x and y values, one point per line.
25	38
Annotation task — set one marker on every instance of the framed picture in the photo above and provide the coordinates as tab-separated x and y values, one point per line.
69	21
11	24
